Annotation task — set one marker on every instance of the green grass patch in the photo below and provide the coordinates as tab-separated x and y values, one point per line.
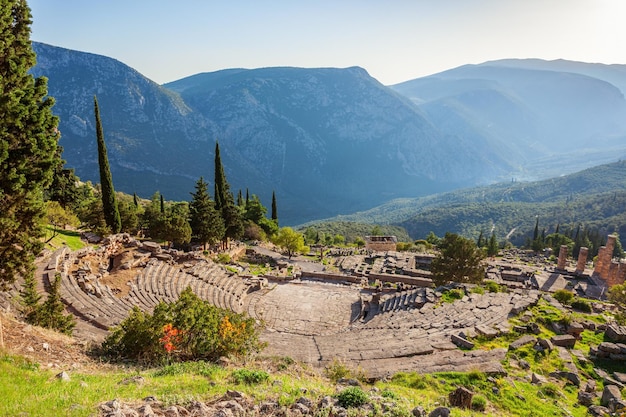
70	238
249	377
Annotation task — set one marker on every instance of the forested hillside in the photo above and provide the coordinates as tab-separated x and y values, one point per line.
594	198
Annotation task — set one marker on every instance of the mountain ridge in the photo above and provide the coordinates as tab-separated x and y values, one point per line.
326	140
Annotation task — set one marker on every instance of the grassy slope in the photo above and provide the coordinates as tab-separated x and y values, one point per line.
25	387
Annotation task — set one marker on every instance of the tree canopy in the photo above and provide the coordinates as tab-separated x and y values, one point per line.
459	260
290	240
28	144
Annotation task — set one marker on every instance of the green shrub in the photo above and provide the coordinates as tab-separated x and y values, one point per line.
581	305
387	393
246	376
223	258
337	370
477	290
452	295
492	286
479	403
188	329
564	296
201	368
352	397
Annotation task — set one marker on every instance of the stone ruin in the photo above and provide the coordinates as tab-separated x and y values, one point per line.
611	271
381	243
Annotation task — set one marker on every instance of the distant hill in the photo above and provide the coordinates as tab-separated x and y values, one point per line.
331	141
549	117
595	197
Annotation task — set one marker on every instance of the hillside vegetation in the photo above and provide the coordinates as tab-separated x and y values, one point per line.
594	198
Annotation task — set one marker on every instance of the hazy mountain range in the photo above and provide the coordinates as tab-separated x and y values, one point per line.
331	141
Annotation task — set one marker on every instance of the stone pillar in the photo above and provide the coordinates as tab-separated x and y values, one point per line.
612	277
621	274
582	260
597	268
608	255
562	257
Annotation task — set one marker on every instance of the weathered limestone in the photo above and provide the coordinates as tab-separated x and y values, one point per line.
610	271
582	260
562	257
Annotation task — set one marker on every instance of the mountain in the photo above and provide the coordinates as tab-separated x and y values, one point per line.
326	140
330	141
550	117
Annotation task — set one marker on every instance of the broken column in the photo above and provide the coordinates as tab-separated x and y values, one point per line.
562	257
582	260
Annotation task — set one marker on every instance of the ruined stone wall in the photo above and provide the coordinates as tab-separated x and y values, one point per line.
381	243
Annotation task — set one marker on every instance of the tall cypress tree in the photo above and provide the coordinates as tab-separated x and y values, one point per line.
225	202
109	203
274	209
221	186
206	223
28	144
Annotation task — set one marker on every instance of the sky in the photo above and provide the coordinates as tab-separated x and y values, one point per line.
394	40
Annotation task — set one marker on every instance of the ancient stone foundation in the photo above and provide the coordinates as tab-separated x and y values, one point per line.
610	271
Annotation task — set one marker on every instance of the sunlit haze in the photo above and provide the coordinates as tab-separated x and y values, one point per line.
393	40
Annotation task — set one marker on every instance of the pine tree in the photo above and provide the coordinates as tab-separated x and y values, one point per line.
109	202
51	311
274	209
28	144
30	300
458	261
206	223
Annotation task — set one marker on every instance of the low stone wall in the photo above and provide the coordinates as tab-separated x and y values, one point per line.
332	277
404	279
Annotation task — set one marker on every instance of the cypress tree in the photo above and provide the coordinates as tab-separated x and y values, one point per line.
135	200
162	203
480	242
28	145
247	197
206	223
274	210
240	199
536	231
221	187
109	202
225	202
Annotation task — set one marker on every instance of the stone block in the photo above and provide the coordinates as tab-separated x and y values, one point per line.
486	331
524	340
615	333
564	340
610	395
461	342
575	329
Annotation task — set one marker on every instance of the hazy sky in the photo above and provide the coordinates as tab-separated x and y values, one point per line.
393	40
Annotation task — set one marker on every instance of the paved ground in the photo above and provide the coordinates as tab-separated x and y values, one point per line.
308	308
